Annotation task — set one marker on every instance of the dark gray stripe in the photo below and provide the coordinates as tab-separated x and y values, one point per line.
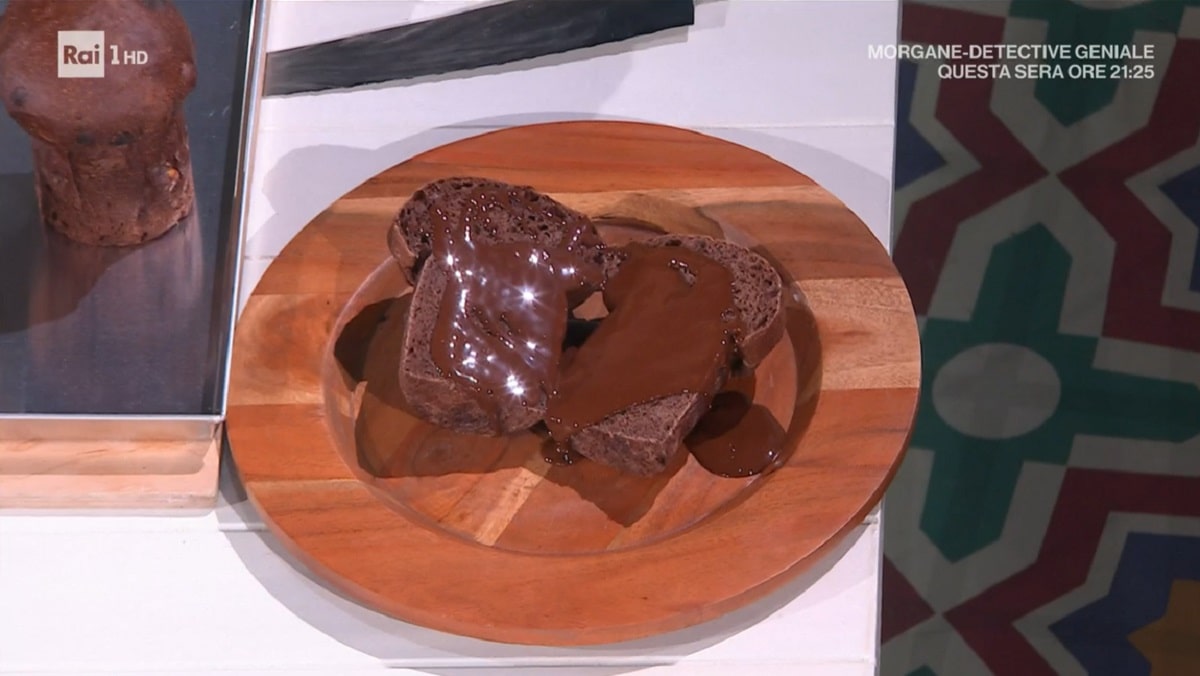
487	36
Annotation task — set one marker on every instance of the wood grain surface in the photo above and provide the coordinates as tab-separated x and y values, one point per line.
109	474
481	536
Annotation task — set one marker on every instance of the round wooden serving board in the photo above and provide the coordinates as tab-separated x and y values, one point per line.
482	536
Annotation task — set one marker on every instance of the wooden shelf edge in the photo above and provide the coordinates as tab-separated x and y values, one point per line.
108	474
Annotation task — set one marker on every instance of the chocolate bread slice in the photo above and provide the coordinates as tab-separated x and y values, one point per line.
643	438
497	215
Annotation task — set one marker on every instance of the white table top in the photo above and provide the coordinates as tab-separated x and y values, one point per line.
212	592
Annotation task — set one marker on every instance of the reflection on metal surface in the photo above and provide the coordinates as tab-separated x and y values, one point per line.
252	89
150	306
138	334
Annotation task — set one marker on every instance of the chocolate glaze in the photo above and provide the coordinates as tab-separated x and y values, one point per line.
505	330
737	437
503	315
670	330
556	454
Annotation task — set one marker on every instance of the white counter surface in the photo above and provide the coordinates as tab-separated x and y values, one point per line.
211	591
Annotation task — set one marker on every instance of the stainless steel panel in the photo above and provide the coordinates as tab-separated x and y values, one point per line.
108	340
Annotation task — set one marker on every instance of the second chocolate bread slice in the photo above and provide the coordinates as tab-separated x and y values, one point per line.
643	436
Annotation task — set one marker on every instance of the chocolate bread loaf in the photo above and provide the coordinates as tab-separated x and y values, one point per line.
110	142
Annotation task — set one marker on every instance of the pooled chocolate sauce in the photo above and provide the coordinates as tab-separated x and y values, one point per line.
736	438
503	314
556	454
670	330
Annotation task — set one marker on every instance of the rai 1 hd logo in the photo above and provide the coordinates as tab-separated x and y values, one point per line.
83	54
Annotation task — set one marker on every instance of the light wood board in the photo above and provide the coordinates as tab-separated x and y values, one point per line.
109	474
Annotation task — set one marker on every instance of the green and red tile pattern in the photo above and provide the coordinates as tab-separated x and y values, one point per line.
1047	518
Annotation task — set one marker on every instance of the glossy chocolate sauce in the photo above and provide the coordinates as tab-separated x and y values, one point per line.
557	454
503	314
736	437
670	330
